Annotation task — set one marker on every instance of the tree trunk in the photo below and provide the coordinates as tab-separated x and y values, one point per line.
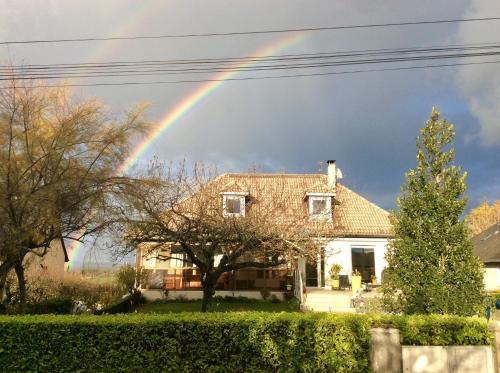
5	268
208	285
3	289
22	285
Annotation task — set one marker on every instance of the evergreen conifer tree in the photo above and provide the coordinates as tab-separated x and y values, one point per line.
431	267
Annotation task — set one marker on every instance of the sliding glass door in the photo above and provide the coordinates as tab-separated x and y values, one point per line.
363	260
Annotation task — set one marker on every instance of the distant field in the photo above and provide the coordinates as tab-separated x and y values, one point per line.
219	305
98	277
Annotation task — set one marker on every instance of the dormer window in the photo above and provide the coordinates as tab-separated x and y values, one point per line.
320	205
233	203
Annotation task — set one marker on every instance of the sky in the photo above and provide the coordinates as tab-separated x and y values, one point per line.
368	122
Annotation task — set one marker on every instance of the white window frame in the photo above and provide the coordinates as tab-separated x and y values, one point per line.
241	196
149	260
320	197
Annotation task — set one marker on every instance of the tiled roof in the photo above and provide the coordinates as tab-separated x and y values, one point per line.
487	244
353	215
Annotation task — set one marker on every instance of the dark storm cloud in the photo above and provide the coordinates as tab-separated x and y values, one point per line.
368	122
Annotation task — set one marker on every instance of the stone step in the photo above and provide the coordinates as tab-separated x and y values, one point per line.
327	299
329	304
317	308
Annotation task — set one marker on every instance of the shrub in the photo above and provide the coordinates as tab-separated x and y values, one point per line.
250	341
437	330
125	305
128	278
50	294
491	299
185	342
95	294
274	299
288	296
59	306
265	293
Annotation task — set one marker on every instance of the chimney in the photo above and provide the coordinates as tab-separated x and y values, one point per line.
332	173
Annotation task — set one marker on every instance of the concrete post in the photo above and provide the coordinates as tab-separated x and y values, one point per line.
318	270
385	351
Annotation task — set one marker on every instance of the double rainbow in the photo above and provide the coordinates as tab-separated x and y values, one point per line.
187	104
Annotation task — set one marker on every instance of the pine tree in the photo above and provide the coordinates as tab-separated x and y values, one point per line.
431	267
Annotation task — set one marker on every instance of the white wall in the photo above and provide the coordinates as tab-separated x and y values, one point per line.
339	251
492	278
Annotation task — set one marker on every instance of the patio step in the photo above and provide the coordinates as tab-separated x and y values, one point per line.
317	308
321	300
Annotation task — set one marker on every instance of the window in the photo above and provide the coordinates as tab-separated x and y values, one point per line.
320	206
233	203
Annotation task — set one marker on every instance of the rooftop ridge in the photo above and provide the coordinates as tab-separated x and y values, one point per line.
269	174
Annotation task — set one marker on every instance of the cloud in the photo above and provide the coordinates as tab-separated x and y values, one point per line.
480	84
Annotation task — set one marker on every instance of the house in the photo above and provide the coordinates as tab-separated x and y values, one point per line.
487	248
51	265
348	229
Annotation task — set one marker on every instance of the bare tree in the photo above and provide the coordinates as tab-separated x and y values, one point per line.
483	216
172	211
58	158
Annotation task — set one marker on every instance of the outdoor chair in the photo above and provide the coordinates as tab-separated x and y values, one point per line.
344	282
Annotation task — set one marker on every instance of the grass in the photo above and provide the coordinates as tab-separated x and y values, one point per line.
220	305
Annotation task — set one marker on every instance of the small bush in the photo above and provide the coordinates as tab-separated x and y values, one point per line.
274	299
491	299
265	293
60	306
125	305
46	293
231	299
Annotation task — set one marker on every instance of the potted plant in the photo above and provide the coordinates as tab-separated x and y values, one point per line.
289	287
374	280
334	275
355	281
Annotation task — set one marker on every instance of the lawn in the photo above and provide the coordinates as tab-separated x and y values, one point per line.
220	305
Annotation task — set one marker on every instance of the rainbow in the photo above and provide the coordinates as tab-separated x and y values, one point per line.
185	106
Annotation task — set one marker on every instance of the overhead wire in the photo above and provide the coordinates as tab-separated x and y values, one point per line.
187	81
251	68
253	32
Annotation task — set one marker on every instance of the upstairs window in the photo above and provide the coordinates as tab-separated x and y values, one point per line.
320	206
233	203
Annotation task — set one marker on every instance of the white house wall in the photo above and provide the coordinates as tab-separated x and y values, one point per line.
339	251
491	278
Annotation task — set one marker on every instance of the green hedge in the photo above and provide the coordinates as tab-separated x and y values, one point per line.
60	306
239	342
437	330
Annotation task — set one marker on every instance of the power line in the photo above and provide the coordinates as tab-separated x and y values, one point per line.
265	77
247	59
255	32
253	68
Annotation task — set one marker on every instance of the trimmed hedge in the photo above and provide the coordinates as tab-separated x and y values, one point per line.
437	330
59	306
216	342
